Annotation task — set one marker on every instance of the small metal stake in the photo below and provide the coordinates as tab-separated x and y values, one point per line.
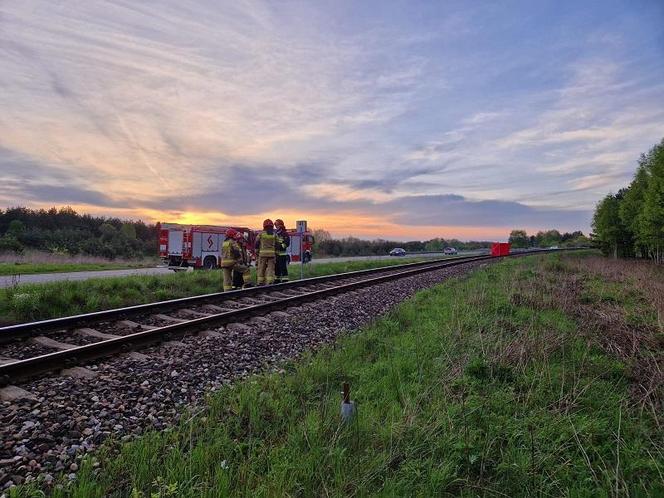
347	406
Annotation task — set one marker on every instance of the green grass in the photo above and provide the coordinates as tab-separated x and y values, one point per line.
474	387
33	268
28	302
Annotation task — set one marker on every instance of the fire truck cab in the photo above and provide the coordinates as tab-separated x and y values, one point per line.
199	246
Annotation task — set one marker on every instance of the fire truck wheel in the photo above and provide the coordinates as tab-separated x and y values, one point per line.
210	263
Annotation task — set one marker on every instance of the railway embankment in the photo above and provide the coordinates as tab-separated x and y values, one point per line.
67	417
537	375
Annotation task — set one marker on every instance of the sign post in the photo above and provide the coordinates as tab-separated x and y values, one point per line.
301	229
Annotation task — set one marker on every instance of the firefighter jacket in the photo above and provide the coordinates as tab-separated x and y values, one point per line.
244	259
231	253
266	245
283	241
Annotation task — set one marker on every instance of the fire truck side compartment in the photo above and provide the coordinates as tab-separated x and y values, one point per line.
175	242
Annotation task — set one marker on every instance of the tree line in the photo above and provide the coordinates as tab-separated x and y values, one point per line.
519	239
325	245
630	223
65	231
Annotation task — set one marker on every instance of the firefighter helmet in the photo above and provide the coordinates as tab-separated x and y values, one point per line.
231	233
268	224
279	223
238	235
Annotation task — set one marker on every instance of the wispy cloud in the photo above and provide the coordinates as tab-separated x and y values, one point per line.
415	114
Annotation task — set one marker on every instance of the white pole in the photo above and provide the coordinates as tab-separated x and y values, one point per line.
301	230
301	257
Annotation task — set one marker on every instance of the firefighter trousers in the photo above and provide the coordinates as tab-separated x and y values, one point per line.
281	268
227	272
265	270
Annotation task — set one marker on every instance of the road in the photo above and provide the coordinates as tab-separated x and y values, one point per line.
40	278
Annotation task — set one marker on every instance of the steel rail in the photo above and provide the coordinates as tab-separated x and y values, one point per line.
27	329
31	367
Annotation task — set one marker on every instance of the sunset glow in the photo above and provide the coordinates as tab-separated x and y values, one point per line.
398	120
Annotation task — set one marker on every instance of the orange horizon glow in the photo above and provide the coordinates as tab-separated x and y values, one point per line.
339	225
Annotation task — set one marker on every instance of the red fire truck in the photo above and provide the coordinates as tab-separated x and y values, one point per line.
199	246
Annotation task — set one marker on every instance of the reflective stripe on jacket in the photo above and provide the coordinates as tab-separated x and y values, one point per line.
283	241
267	245
230	253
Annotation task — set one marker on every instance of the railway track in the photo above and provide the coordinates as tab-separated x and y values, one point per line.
30	349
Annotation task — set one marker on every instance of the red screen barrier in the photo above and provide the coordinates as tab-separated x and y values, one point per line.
500	249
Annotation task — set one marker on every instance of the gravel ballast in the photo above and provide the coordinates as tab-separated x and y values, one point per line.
127	395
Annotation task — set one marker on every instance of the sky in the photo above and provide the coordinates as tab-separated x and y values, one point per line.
390	119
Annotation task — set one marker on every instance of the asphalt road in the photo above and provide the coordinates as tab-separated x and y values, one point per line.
40	278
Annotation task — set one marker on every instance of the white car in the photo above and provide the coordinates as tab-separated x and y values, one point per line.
450	251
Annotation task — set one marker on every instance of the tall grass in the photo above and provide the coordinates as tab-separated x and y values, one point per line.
470	388
27	302
30	262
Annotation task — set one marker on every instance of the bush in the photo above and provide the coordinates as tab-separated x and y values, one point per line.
9	243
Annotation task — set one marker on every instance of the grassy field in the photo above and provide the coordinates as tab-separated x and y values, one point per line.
32	268
32	262
40	301
534	377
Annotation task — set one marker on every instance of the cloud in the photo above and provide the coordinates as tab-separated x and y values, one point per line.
417	115
25	181
455	210
273	189
482	117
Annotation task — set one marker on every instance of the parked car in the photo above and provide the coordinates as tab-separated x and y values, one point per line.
450	251
398	251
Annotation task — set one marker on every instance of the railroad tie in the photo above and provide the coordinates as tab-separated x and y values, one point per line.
239	327
216	309
194	313
168	318
135	355
87	332
281	295
78	373
13	393
51	343
267	297
290	292
250	301
133	325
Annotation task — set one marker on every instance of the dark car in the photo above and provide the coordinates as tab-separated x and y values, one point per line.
398	251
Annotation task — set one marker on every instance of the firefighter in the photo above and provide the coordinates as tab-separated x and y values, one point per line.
242	279
266	251
283	241
231	259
